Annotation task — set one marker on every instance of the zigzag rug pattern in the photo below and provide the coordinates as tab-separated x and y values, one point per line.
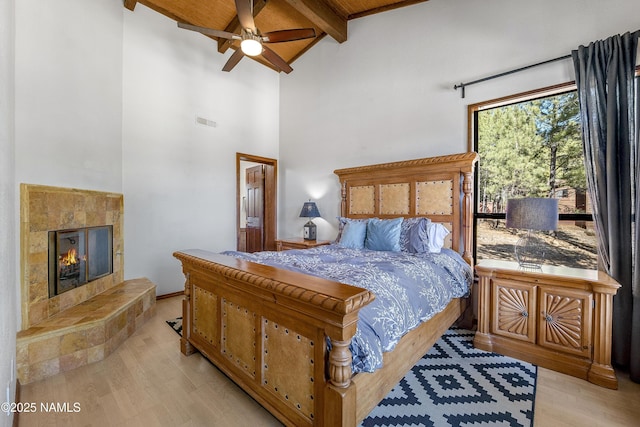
176	325
455	384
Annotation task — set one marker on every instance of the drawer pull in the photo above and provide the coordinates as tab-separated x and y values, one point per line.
524	314
548	317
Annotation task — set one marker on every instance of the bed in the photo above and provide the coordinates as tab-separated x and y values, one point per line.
285	336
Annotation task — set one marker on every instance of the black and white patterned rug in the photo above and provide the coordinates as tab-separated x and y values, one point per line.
176	325
455	384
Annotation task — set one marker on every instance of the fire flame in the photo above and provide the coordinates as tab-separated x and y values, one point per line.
70	258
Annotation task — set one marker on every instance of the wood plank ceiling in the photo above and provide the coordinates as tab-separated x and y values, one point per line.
326	17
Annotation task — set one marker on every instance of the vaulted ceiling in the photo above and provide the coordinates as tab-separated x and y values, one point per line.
325	17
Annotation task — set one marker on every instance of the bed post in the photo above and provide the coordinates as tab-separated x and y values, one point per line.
185	346
340	363
340	403
343	199
467	216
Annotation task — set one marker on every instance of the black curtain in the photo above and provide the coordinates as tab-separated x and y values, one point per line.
605	77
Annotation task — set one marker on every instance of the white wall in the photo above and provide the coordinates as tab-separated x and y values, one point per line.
387	93
179	176
69	93
9	301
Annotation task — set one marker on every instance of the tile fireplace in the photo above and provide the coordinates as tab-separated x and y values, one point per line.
79	256
55	216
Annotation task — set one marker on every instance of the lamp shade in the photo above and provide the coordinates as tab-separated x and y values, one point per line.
532	213
309	210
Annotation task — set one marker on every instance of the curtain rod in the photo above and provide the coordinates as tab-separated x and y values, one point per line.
506	73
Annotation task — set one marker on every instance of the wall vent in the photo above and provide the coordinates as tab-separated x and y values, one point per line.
205	122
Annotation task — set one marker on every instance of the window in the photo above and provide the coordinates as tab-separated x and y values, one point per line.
530	146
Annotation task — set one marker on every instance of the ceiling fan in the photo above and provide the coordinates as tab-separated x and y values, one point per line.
251	40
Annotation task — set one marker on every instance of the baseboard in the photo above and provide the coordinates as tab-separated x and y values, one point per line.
171	295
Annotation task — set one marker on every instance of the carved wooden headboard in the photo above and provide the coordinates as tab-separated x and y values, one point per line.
439	188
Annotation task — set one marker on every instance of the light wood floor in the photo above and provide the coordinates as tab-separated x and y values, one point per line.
148	382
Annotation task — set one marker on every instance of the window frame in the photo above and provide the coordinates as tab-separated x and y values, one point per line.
472	141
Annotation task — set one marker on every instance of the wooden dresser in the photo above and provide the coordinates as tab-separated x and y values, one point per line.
298	243
558	318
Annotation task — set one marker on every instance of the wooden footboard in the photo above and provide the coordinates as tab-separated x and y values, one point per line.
266	329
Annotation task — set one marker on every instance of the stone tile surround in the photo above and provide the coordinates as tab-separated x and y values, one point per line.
86	324
44	208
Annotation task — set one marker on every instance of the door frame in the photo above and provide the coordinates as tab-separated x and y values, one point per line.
270	198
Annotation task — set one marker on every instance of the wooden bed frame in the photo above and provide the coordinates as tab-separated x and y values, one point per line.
267	328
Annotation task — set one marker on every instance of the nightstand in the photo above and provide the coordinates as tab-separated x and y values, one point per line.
558	318
299	243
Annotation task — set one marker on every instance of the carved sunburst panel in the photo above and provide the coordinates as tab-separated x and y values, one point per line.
513	311
563	321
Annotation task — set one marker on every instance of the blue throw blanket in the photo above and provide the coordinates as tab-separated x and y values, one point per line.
409	289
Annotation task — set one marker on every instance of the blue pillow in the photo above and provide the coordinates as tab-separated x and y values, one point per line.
419	238
413	235
353	235
383	234
342	221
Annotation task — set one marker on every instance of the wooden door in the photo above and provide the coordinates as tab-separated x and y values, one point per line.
255	209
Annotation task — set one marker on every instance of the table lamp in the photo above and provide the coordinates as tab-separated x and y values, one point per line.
531	214
309	210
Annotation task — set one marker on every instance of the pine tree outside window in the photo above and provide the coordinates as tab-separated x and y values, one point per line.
530	146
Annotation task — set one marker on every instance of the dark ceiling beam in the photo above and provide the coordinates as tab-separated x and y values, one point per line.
150	4
235	27
318	12
385	8
130	4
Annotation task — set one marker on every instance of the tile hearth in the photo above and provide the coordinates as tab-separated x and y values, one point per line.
85	333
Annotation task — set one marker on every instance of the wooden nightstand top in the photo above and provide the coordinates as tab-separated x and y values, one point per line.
299	243
596	276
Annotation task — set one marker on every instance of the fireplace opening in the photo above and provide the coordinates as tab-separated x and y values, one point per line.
79	256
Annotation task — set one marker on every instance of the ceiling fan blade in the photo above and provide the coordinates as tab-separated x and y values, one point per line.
275	59
288	35
210	31
244	8
233	60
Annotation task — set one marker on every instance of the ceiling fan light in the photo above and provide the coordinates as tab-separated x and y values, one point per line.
251	47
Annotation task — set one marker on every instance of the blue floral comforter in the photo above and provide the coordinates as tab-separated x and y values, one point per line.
409	289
